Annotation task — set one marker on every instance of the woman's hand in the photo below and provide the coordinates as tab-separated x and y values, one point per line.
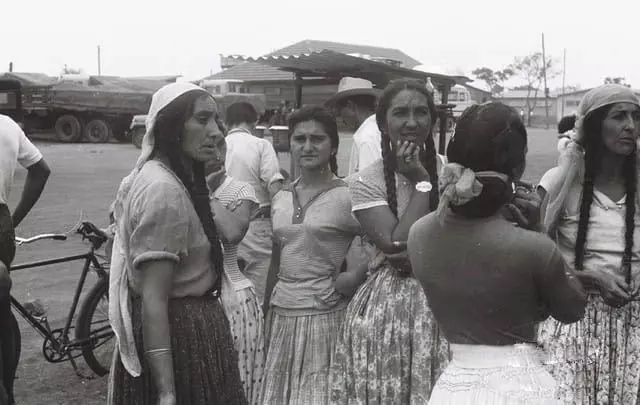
614	289
167	399
524	208
408	161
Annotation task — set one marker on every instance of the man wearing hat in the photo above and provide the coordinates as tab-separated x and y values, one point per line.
355	102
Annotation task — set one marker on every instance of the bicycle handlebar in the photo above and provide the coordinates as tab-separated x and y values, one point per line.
54	236
89	231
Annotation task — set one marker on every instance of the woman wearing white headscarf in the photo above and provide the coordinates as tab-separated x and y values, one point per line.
167	263
592	213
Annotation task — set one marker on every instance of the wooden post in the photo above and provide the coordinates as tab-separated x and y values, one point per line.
564	72
298	90
10	66
546	89
99	67
442	148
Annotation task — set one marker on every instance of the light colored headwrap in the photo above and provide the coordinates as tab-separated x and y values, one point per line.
119	296
571	160
458	185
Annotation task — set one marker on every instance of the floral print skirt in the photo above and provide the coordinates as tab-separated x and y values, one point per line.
596	360
244	312
390	350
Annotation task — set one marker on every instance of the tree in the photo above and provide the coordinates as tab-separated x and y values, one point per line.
531	69
616	80
493	79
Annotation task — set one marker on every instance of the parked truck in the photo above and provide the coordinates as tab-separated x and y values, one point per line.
91	108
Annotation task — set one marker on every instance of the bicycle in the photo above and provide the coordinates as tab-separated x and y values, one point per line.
90	333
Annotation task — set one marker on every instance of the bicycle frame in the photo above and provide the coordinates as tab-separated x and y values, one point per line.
89	260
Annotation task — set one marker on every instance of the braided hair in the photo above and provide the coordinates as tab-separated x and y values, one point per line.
428	155
328	122
168	131
489	137
593	153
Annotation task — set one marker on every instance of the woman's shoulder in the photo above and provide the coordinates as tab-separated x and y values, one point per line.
372	174
156	181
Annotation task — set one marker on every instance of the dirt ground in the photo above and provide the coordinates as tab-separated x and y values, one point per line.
82	185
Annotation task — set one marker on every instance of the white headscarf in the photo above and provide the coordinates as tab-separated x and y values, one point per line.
119	297
571	161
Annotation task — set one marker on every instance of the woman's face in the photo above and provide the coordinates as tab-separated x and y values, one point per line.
311	145
620	128
408	118
219	155
201	135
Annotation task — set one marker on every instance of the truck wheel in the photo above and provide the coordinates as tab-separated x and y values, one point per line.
68	128
97	131
137	136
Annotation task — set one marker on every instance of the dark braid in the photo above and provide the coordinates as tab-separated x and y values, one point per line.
389	166
169	123
333	163
591	166
427	154
630	183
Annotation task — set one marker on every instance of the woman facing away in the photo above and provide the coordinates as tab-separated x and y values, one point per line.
487	281
174	344
591	211
232	202
389	350
307	294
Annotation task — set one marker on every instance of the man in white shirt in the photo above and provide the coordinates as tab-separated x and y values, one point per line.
355	102
253	160
15	148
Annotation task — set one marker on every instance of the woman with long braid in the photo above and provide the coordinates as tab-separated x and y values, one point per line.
167	263
307	293
489	299
389	350
592	213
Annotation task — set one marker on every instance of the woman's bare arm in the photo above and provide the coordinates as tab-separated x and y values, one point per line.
156	278
232	224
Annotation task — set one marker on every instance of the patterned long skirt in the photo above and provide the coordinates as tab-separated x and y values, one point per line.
247	327
494	375
596	360
389	350
299	358
205	362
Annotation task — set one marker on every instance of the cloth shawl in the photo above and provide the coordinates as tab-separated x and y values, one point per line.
571	166
119	295
458	185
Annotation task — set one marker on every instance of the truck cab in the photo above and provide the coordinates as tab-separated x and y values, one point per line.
11	99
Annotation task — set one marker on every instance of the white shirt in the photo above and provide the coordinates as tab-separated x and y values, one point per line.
254	161
15	148
366	147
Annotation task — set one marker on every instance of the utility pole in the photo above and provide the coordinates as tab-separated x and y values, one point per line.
564	76
99	67
10	66
546	89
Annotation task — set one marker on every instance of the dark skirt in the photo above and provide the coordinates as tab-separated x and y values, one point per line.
205	362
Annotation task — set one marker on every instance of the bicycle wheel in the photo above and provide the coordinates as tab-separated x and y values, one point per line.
93	327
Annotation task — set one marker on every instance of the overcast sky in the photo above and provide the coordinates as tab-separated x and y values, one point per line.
143	37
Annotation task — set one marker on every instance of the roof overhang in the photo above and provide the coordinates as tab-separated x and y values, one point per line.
336	65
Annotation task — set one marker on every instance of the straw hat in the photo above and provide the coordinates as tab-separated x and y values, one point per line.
352	86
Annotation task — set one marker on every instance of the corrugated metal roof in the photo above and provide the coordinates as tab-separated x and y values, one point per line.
334	64
309	46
